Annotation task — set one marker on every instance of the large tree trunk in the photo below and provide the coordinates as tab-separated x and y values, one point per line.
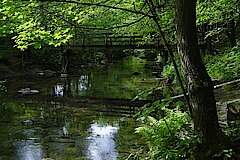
199	84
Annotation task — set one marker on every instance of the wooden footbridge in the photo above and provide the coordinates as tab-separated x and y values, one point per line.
111	41
118	41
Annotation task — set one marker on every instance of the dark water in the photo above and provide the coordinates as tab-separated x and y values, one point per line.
73	118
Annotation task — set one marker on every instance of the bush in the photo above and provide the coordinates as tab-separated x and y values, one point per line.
225	66
169	137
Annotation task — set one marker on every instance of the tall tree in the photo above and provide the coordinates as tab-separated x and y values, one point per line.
199	84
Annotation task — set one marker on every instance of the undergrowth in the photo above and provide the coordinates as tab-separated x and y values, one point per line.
168	132
225	65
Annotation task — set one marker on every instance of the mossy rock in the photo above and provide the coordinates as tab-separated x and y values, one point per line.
233	114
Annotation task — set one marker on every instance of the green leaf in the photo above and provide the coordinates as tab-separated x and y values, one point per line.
37	45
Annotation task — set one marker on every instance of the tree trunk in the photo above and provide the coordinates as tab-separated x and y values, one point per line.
199	84
231	33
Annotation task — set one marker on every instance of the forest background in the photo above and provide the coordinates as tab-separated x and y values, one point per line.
32	25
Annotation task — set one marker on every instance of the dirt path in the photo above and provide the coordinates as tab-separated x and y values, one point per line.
225	95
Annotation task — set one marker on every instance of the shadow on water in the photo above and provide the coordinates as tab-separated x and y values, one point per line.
83	116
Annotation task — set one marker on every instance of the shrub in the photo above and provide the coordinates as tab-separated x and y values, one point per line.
169	137
225	65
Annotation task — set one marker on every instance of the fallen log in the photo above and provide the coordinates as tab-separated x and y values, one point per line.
216	86
227	83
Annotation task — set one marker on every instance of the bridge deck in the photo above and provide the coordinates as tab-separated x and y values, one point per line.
116	41
110	41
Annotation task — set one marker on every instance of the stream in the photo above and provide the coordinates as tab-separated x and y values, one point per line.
74	117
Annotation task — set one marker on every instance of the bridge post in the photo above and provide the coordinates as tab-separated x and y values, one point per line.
130	40
106	41
83	42
112	40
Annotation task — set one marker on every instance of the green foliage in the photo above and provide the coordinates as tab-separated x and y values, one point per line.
207	11
99	56
3	88
169	137
4	67
168	71
35	23
225	154
47	58
167	131
218	13
225	65
156	107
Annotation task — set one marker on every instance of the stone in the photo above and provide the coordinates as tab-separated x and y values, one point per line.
28	122
233	113
63	75
27	91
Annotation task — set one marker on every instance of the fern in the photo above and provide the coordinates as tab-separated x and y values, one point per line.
168	138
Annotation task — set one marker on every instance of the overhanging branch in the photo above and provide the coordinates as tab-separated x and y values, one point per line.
114	27
99	28
103	5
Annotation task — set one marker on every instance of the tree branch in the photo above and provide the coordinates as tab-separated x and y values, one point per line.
103	5
115	27
98	28
170	52
107	28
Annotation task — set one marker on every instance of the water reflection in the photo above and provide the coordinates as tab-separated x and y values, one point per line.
65	132
102	145
29	149
58	90
62	123
83	83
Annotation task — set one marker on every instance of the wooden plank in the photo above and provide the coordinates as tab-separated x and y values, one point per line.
126	37
92	37
105	33
95	34
132	41
96	41
104	41
128	46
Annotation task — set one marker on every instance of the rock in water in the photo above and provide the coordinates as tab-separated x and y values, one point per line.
28	122
27	91
63	75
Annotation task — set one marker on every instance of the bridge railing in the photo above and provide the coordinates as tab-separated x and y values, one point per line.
105	39
85	40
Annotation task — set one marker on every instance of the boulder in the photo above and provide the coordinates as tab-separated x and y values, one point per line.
28	122
233	113
27	91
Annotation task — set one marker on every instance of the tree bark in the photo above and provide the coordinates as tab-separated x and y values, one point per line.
231	33
199	84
